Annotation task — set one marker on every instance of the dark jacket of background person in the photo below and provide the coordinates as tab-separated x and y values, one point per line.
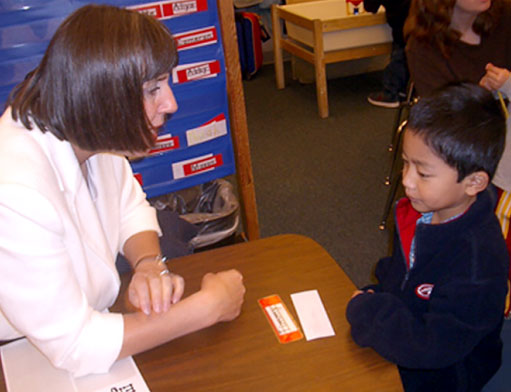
396	11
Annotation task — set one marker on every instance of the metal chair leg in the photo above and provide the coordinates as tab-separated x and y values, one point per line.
394	175
403	107
390	201
397	121
395	153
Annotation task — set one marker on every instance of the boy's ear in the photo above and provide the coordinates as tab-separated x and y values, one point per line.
476	182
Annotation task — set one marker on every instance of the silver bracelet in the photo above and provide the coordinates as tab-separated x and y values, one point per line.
160	259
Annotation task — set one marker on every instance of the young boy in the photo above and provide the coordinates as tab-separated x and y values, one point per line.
437	311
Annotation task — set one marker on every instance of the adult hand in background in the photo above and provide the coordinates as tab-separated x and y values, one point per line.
494	78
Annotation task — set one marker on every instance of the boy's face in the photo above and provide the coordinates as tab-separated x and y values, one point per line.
431	184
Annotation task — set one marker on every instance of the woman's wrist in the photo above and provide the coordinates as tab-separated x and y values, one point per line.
210	307
506	88
159	259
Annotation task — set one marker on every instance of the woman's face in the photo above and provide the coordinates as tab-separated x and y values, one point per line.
158	100
472	6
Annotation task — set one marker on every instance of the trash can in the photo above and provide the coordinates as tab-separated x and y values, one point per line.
212	207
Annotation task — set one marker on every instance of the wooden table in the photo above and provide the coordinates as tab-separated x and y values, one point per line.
244	355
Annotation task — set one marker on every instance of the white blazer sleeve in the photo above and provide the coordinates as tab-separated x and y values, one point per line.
137	214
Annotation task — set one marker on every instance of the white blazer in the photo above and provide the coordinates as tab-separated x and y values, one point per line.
59	237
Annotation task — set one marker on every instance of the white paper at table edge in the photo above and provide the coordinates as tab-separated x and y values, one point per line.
312	314
123	371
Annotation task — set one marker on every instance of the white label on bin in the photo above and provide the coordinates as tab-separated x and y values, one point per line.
196	165
196	38
171	9
212	129
195	71
165	142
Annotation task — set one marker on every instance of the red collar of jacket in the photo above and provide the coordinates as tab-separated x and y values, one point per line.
406	222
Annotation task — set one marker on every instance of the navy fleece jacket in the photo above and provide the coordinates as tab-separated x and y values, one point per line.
441	320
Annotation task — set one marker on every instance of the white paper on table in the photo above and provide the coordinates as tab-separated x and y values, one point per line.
312	315
26	369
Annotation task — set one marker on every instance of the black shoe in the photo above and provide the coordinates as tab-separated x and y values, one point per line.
384	99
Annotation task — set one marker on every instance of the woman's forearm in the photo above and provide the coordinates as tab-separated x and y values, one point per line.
219	299
142	332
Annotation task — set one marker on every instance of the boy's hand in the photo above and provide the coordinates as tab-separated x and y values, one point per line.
358	292
494	78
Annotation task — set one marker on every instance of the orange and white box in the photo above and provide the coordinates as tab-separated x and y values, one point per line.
283	325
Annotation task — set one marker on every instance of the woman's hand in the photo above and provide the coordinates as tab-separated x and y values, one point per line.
494	78
153	289
227	289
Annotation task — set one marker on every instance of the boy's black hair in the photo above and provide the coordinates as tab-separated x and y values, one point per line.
464	125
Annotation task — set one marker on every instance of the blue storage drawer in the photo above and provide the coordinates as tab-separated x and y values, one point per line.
179	14
181	169
26	28
205	128
195	145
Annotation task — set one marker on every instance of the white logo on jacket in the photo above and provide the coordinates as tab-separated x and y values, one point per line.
424	290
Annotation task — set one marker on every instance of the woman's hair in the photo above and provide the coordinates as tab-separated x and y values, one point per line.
429	22
88	88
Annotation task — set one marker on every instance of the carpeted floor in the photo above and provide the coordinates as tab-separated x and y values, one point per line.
322	178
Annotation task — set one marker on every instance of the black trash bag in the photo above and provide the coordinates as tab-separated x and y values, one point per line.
211	207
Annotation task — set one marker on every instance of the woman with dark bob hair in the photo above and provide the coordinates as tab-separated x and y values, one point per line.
465	40
69	202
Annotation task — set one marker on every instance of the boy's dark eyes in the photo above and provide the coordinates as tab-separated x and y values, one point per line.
419	173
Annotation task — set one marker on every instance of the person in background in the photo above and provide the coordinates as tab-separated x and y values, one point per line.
465	40
457	40
69	202
395	75
437	310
